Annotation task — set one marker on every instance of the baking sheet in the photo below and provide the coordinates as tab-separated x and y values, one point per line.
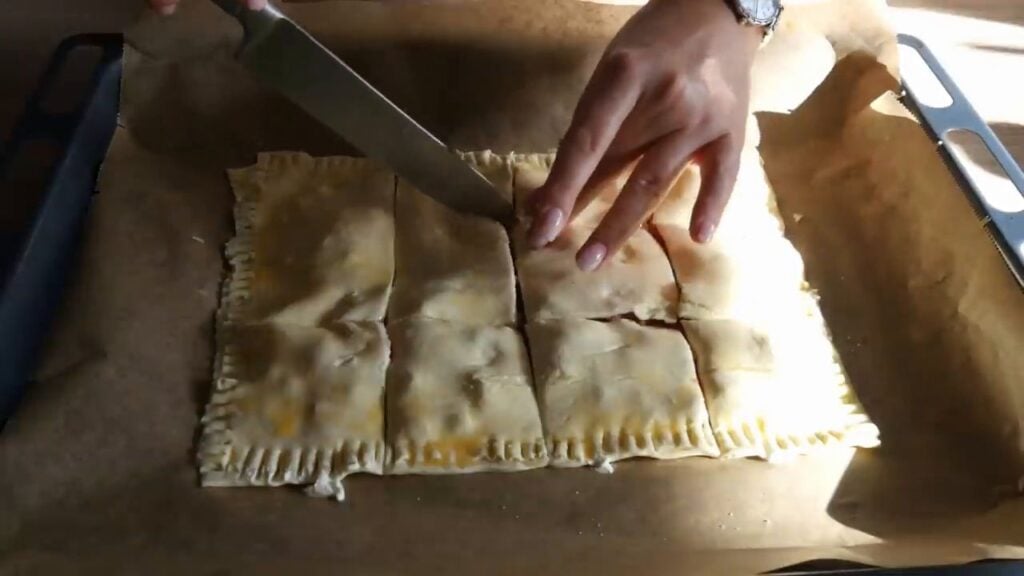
96	469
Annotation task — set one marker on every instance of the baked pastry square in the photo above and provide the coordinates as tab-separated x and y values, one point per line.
751	207
449	265
748	267
614	390
742	280
459	399
314	243
637	280
777	389
295	405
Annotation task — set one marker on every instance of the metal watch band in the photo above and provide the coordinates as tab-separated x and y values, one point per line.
762	13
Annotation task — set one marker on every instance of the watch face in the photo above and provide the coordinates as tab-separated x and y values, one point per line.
762	12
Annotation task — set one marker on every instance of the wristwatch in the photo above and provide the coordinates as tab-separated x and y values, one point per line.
762	13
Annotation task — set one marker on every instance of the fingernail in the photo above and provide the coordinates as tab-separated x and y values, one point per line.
703	231
255	4
546	228
166	9
591	256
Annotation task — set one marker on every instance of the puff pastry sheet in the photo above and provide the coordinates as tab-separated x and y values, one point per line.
635	281
295	405
314	243
459	399
776	389
310	386
453	266
613	390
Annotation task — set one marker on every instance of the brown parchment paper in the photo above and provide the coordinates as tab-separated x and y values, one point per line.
96	468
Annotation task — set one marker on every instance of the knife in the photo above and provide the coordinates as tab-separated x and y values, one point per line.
280	53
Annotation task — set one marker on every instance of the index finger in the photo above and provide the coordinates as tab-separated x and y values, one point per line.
719	167
606	102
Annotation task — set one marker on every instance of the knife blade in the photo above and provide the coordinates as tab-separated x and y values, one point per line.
280	53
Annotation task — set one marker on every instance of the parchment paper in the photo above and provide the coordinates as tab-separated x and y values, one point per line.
96	469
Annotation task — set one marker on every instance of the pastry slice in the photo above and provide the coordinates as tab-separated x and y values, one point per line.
315	240
778	389
295	405
453	266
636	280
747	268
751	205
733	280
613	390
459	400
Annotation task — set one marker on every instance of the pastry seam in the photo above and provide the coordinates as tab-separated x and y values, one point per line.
409	456
687	438
745	438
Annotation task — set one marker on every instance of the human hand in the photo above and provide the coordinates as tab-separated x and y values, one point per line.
673	85
167	7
